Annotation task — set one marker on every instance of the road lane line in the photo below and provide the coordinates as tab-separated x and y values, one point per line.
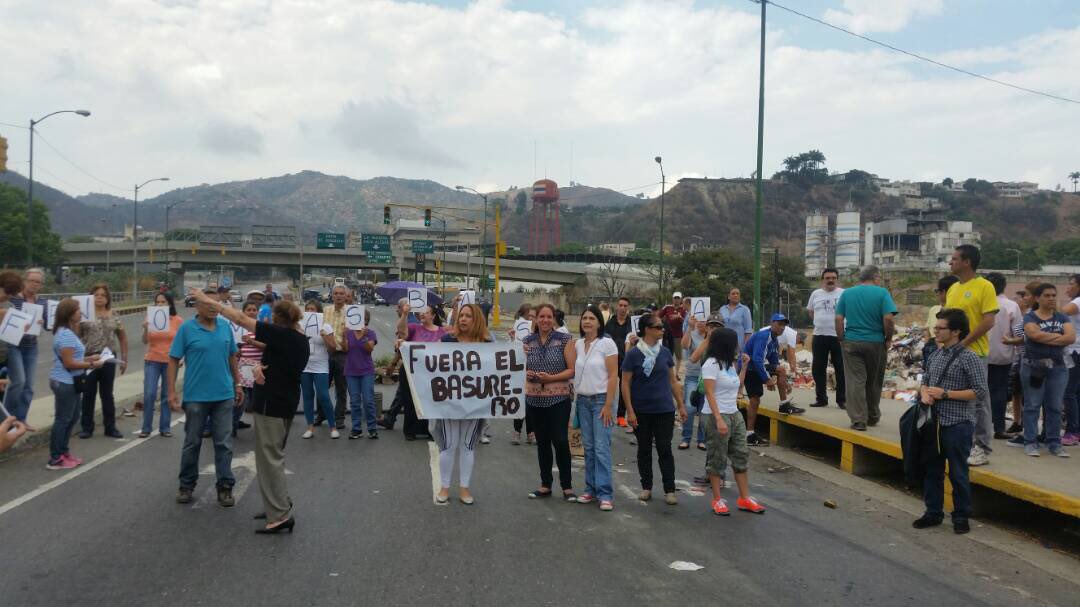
436	479
83	469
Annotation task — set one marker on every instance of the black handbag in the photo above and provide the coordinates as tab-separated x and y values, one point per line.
79	382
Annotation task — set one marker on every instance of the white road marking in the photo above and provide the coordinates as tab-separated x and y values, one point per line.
77	472
243	481
436	480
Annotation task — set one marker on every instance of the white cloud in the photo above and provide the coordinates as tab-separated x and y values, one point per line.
865	16
460	95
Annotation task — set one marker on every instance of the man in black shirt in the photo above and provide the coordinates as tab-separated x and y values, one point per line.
617	328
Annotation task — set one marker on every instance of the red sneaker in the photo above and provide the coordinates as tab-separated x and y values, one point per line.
719	507
622	422
750	505
71	458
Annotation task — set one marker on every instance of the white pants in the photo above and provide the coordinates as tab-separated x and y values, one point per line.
457	437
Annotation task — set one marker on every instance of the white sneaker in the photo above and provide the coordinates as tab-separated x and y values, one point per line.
484	440
335	434
978	457
307	434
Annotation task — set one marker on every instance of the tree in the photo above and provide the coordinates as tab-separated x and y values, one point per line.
1001	255
608	279
519	202
1075	178
80	239
947	182
48	249
805	169
569	248
1065	252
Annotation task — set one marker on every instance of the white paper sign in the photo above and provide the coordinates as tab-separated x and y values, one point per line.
157	319
37	311
522	328
699	308
634	323
313	322
417	299
86	306
466	381
13	327
50	316
238	332
467	297
107	356
354	317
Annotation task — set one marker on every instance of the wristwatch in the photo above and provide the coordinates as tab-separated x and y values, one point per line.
944	395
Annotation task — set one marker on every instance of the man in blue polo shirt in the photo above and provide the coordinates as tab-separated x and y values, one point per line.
211	386
764	351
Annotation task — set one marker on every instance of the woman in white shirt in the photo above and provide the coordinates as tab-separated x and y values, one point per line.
596	377
725	429
315	381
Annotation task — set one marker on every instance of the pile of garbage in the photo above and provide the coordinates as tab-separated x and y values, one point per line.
903	365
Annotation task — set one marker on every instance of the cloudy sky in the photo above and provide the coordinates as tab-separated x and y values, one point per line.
461	91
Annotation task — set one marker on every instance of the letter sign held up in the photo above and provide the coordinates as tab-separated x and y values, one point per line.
38	312
313	321
354	317
86	306
13	327
157	319
417	299
699	307
50	316
467	297
634	320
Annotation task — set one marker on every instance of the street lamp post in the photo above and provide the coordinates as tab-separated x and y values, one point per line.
135	239
483	249
30	186
1017	251
758	188
663	184
168	208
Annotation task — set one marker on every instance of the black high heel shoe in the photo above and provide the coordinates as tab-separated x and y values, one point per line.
285	526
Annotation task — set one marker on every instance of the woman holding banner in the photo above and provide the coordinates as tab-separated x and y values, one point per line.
429	329
459	436
549	364
156	365
596	375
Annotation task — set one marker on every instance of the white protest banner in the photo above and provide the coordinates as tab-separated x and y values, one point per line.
37	311
86	306
354	317
13	327
699	307
467	297
50	315
313	322
466	381
157	319
634	323
522	328
417	299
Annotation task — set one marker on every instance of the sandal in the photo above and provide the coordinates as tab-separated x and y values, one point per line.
701	446
645	495
684	445
538	494
606	505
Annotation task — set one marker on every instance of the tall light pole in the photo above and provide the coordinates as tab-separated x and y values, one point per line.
168	208
30	187
759	195
663	186
135	238
483	247
1017	251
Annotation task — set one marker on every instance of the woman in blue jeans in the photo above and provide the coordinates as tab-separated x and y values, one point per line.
360	378
156	364
315	380
596	378
69	360
1042	370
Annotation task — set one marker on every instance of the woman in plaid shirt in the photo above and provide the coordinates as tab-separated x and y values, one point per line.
954	383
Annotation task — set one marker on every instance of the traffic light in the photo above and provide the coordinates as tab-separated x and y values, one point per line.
386	215
3	154
427	218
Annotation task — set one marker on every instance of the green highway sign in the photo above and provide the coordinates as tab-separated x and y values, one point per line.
423	246
375	243
330	240
380	257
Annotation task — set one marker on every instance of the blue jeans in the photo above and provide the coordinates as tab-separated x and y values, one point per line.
1045	399
21	363
596	439
998	381
221	413
955	448
154	376
362	401
68	406
692	412
316	388
1072	399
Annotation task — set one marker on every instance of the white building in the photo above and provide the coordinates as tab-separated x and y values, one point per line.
901	188
1016	189
615	248
817	243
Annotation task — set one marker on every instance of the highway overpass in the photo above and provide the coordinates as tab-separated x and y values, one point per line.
188	254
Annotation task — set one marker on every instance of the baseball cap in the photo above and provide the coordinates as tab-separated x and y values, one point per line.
676	294
778	317
254	292
715	320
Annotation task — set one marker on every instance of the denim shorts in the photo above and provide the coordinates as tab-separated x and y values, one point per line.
730	448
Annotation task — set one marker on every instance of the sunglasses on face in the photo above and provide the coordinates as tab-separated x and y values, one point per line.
661	327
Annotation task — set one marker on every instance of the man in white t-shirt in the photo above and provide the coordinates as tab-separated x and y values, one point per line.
825	345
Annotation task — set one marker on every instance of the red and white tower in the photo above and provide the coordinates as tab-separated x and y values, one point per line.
544	219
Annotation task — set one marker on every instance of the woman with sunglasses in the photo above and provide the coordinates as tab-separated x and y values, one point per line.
653	397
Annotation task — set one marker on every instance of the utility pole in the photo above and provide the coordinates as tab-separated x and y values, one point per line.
759	194
663	182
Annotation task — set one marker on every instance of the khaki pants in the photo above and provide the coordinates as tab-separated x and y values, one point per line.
864	372
270	436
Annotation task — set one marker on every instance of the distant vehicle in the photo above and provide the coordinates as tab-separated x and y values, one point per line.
236	296
339	282
379	301
311	294
189	302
